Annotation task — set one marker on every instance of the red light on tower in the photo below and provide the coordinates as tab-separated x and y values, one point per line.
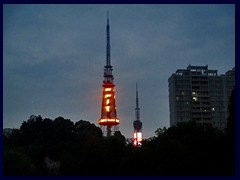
108	121
109	111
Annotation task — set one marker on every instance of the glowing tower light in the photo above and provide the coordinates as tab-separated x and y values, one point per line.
108	121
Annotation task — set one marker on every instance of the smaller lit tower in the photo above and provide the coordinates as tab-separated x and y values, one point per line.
137	124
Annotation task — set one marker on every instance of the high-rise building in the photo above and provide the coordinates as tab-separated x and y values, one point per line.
201	95
108	121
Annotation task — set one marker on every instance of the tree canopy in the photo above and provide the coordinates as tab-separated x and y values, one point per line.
62	147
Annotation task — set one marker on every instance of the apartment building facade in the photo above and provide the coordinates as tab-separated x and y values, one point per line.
201	95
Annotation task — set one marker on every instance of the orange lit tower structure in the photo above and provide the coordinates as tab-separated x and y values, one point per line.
108	121
137	124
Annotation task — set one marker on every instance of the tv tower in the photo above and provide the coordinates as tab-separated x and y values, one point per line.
108	121
137	124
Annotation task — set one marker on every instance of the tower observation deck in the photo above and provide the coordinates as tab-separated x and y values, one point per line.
108	121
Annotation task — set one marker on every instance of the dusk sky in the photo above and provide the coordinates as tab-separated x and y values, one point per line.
54	56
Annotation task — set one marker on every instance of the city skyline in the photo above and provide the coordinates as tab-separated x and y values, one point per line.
54	55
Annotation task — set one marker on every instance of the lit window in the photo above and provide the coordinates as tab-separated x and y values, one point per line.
195	98
109	120
135	135
107	95
107	108
107	101
139	136
108	89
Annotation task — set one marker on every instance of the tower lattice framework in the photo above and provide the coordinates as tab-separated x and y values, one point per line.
108	121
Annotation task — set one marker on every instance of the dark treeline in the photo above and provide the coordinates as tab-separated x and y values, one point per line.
62	147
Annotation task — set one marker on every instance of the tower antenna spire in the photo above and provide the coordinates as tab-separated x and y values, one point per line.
137	96
137	109
108	60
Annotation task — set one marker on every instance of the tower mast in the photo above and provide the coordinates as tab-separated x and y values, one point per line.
137	109
108	60
108	77
108	121
137	124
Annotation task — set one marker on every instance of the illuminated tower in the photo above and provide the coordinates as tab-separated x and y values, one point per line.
137	124
108	121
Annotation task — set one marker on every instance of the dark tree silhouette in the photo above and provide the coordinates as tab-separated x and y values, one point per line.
62	147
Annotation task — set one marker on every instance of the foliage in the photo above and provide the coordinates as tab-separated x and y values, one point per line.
17	163
160	131
62	147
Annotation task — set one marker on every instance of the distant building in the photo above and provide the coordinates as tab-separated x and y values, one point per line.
201	95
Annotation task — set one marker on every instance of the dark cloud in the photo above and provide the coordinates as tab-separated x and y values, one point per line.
53	57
